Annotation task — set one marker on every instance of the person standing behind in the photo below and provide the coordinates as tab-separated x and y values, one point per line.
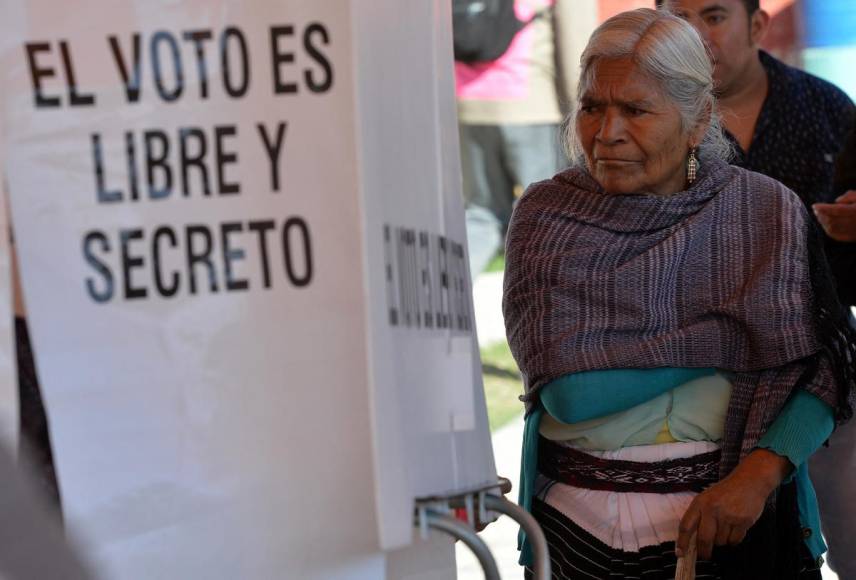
787	124
510	110
791	126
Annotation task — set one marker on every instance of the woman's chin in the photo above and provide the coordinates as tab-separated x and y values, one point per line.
620	186
618	180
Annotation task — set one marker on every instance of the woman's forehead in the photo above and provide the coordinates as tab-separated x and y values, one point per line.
621	79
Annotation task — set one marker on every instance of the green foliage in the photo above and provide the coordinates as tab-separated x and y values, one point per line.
497	264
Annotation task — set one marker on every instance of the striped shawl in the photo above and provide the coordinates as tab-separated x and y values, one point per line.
726	274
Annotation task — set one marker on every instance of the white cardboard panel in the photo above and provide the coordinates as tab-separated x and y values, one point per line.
431	425
241	432
9	404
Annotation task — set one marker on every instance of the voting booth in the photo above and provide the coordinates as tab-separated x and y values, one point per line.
241	240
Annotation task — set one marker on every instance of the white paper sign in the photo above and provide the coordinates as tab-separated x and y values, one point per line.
9	404
242	247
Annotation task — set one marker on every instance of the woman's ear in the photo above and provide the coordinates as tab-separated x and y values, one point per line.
702	125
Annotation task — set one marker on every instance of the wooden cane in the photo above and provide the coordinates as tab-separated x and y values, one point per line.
685	569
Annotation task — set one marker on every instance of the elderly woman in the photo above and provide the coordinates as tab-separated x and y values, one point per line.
679	336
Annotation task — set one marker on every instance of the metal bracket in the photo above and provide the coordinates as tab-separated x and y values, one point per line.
431	513
458	529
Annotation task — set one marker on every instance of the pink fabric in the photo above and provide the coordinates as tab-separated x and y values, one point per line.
506	78
628	521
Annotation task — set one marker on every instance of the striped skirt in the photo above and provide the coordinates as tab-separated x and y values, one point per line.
615	514
576	554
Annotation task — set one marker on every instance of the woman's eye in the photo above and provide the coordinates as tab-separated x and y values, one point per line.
634	111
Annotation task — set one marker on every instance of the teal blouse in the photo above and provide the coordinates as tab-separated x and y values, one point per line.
803	425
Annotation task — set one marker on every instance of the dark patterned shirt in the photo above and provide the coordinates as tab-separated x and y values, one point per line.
800	131
842	255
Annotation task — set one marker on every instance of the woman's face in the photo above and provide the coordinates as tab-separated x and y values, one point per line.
630	132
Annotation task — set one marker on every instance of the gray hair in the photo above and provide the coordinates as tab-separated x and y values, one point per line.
670	51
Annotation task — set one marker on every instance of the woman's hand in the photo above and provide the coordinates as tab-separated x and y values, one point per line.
838	219
723	513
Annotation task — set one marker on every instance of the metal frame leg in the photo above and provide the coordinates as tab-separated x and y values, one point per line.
533	532
456	528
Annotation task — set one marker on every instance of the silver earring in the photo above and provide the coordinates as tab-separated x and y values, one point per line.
692	166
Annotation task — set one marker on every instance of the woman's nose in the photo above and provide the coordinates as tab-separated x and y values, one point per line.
611	127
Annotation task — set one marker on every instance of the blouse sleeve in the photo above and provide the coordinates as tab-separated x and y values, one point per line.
800	429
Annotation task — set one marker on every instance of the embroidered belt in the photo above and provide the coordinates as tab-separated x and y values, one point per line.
580	469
